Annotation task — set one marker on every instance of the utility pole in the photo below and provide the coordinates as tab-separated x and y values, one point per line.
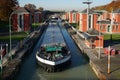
88	3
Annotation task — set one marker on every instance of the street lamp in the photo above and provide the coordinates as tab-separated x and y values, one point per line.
99	39
10	54
88	3
111	24
99	24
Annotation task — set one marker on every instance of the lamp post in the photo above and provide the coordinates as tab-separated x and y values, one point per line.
99	24
99	38
10	54
111	24
99	41
88	3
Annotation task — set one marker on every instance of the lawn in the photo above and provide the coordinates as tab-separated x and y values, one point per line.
75	25
114	36
14	36
35	25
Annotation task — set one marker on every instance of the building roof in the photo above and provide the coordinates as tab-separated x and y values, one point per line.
106	22
20	10
116	11
73	11
90	11
93	32
90	37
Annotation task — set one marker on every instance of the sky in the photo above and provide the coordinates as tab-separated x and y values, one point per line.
66	5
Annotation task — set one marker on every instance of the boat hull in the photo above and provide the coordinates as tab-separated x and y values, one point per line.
56	67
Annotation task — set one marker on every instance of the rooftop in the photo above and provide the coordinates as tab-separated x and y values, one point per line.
92	32
20	10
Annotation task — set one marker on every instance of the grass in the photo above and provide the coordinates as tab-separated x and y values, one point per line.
75	25
14	36
35	25
114	36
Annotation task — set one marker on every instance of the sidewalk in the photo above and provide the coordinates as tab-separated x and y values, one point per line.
99	65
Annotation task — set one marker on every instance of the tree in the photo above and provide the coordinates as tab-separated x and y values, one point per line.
6	7
40	9
30	7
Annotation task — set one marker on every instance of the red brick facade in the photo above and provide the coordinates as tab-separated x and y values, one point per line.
37	17
81	19
14	22
110	23
21	20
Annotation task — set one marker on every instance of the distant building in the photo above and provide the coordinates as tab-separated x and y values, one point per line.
109	22
72	16
100	20
21	20
37	16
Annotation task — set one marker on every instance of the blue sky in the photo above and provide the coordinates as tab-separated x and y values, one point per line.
63	4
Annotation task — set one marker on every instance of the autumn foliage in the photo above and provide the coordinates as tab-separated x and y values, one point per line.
114	5
6	7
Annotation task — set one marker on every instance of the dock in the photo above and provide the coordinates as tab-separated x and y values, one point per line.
99	66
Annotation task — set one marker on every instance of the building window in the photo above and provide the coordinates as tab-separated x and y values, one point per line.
104	27
108	29
74	17
113	27
116	27
101	27
90	21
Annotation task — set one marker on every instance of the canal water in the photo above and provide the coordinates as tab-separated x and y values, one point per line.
78	70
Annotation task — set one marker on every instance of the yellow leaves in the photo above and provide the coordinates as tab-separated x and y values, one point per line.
114	5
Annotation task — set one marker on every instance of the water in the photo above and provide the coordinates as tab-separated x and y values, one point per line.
78	70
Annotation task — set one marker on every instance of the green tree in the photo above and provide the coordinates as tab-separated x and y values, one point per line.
6	7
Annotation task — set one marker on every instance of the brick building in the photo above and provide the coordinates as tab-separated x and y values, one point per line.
21	20
37	16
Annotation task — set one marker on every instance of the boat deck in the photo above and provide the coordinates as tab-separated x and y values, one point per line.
53	35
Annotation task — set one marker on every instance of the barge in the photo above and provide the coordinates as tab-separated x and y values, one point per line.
53	54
